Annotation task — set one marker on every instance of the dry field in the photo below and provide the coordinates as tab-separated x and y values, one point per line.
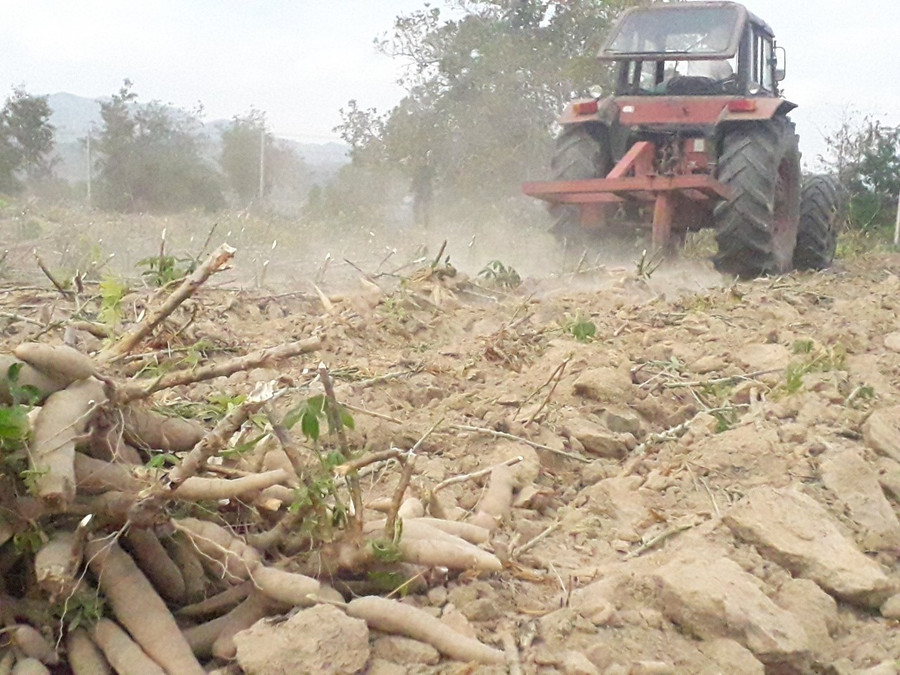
593	471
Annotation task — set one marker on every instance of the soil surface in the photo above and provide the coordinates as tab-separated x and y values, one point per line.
706	476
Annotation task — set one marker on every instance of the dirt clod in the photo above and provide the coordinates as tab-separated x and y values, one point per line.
321	639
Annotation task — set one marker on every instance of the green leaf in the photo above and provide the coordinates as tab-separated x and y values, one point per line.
346	418
316	404
584	331
14	427
309	425
159	461
293	416
12	373
28	394
333	459
385	551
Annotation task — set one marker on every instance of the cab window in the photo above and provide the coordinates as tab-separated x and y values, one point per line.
762	61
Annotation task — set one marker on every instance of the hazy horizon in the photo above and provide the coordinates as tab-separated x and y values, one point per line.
300	62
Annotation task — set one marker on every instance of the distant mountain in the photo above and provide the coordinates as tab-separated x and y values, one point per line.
73	116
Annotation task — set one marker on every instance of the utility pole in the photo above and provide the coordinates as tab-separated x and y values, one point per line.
88	169
262	163
897	225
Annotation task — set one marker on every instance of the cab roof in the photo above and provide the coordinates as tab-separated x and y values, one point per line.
671	29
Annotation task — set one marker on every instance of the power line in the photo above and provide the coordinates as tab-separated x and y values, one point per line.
300	135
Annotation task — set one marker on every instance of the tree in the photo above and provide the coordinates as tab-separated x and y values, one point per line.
484	85
240	159
242	141
865	153
150	157
26	140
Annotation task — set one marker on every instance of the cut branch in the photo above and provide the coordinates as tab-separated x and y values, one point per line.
133	392
214	441
216	261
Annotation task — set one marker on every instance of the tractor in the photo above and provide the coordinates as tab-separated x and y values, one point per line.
695	135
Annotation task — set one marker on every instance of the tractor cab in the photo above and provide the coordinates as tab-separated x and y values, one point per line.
698	48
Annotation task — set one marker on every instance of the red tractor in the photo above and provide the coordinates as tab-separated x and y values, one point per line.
698	129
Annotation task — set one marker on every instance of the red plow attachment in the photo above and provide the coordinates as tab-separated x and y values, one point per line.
675	198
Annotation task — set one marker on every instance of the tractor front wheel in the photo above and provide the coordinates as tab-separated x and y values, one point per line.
756	230
821	208
582	152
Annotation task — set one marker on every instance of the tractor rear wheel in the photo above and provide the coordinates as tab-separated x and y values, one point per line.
821	207
582	152
756	230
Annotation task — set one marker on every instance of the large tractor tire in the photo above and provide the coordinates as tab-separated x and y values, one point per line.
821	209
756	230
582	152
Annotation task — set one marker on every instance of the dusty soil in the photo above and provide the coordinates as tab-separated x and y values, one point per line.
709	478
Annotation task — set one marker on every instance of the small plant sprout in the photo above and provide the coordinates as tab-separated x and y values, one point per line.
581	328
14	427
112	292
164	269
498	274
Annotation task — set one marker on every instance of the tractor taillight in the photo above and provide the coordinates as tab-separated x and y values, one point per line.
742	105
585	107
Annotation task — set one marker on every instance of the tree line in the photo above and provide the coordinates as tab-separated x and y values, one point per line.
148	156
484	82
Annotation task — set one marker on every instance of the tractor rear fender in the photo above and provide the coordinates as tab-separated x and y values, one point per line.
603	111
754	109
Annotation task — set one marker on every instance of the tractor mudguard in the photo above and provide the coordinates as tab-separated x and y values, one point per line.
603	111
762	109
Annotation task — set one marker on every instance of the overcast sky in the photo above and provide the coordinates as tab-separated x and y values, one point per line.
302	60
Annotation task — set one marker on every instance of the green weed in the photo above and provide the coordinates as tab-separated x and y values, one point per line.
162	270
312	411
14	426
112	292
498	274
82	608
818	360
581	328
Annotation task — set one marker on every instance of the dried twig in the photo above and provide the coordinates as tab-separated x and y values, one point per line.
679	430
214	441
721	380
66	293
409	465
437	258
657	540
387	376
372	413
19	317
475	474
554	378
518	550
95	329
366	460
511	437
